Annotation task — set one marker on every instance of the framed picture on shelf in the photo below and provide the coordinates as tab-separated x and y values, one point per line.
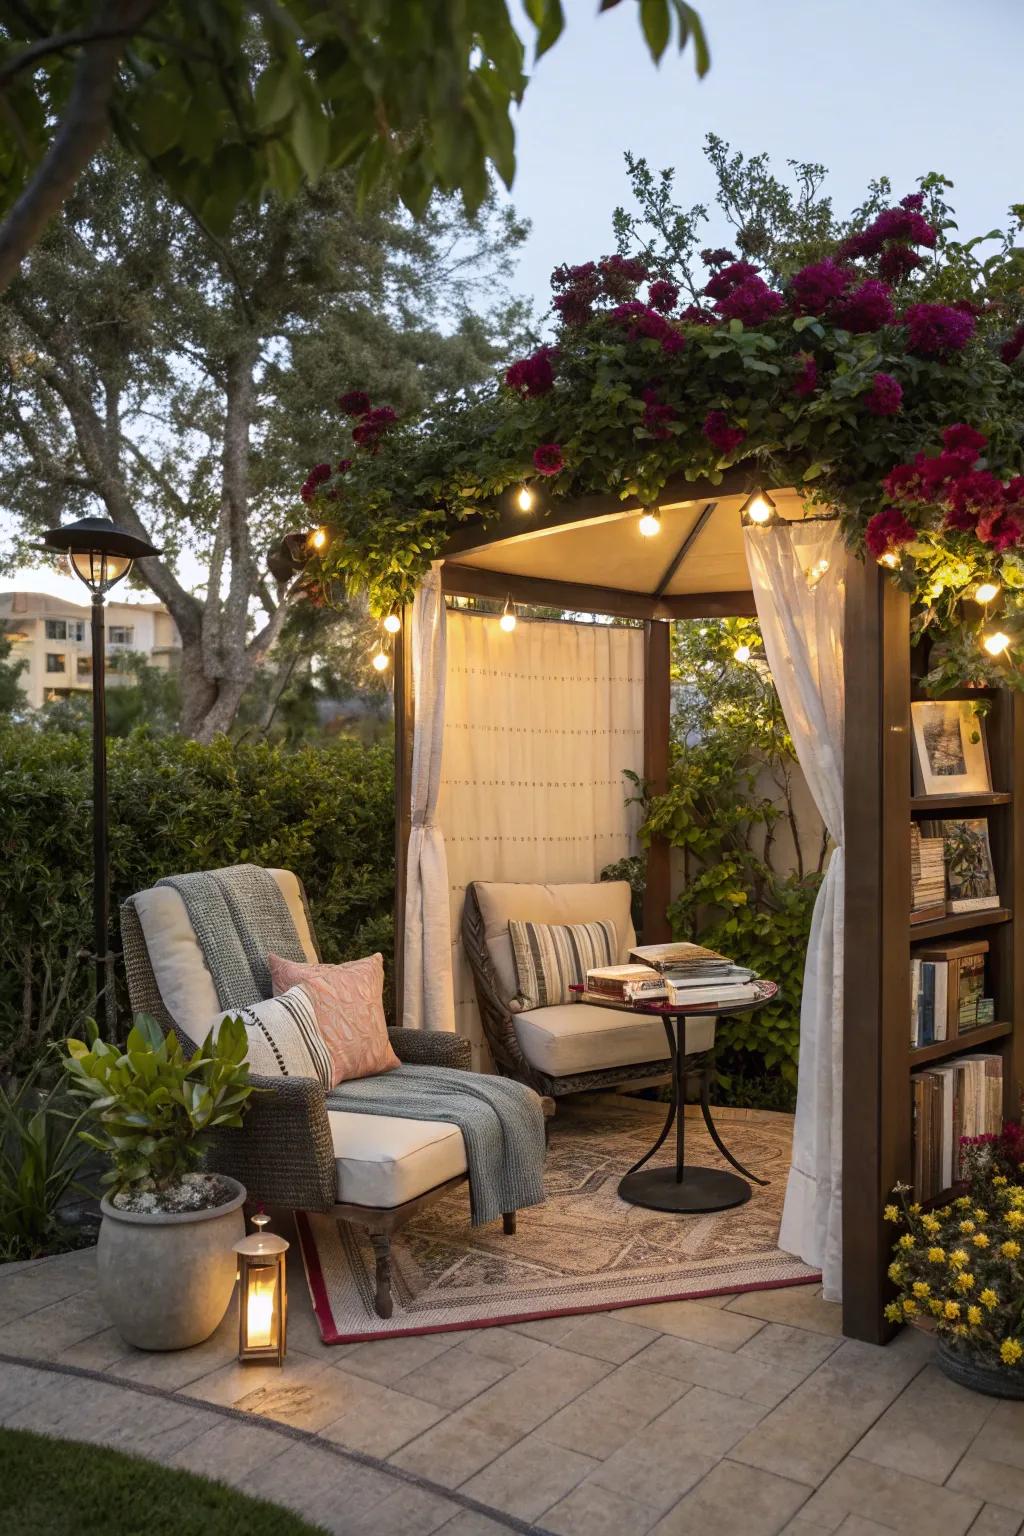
950	751
970	875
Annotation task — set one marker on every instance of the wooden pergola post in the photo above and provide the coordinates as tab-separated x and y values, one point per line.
403	708
657	739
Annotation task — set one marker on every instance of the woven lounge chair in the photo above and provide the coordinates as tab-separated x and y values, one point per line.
569	1047
375	1171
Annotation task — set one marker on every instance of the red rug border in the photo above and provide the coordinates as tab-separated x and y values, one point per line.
325	1317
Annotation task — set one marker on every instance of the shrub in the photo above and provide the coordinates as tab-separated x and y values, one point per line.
41	1159
326	813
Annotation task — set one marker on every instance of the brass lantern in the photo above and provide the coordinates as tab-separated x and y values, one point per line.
262	1294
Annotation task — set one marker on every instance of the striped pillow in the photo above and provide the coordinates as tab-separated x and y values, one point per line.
550	957
283	1037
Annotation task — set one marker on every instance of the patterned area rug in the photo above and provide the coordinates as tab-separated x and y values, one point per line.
584	1250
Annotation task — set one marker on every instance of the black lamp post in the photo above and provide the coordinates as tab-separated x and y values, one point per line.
100	554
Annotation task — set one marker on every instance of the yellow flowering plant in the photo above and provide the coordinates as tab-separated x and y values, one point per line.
959	1269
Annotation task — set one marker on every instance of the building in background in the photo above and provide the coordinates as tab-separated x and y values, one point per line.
53	636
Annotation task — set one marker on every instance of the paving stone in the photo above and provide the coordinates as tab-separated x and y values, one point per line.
704	1421
548	1329
814	1428
454	1377
230	1451
801	1527
905	1434
892	1498
603	1418
41	1286
379	1420
607	1338
409	1511
19	1384
469	1523
790	1349
175	1369
1003	1437
450	1453
505	1344
734	1500
294	1395
705	1323
993	1481
594	1511
303	1474
98	1352
525	1398
642	1471
720	1369
993	1520
800	1306
42	1334
856	1525
388	1360
529	1478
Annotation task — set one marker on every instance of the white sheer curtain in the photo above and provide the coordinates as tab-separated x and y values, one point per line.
427	980
540	726
797	574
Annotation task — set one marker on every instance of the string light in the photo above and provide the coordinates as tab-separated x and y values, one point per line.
650	525
816	572
318	538
741	653
380	660
986	592
758	510
996	642
890	560
508	617
525	499
392	623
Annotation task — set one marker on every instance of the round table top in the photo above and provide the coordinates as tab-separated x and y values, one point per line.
767	992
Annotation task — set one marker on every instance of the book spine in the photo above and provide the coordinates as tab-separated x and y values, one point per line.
926	1023
941	1004
915	989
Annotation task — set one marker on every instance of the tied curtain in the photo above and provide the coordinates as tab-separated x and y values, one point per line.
796	572
427	979
540	727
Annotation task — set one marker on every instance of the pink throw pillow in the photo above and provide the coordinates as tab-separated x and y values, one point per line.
349	1004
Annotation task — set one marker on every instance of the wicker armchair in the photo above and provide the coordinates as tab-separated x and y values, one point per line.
285	1154
499	1020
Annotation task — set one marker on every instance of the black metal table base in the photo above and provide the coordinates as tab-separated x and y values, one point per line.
701	1189
684	1188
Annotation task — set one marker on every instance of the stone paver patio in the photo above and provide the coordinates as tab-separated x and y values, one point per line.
746	1414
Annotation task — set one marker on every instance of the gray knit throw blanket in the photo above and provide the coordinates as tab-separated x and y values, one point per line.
239	917
501	1121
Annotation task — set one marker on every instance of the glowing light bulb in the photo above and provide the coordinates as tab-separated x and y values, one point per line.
741	653
380	661
508	620
649	525
890	560
318	538
392	623
996	643
525	498
759	511
986	592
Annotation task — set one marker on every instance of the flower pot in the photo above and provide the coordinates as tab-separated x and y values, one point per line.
165	1280
980	1375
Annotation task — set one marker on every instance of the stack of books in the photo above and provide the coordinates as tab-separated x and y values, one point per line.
692	975
927	877
627	984
962	1097
947	992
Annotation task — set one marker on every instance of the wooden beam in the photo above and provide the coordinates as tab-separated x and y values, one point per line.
709	605
657	737
684	549
404	717
513	524
574	596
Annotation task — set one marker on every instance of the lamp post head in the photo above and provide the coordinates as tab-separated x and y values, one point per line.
98	552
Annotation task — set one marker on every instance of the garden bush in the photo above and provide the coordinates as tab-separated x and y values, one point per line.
175	805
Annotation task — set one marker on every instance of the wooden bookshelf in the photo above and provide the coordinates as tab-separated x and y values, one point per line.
880	940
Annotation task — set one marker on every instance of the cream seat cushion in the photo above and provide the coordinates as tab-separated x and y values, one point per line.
383	1160
583	1037
182	976
581	902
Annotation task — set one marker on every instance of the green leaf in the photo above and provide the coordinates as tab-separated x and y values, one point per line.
656	24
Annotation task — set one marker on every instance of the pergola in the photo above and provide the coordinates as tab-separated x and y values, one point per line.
585	556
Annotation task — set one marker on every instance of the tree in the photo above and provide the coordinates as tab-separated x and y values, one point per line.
228	101
12	697
181	381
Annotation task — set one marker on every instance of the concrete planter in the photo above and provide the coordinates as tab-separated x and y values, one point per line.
165	1281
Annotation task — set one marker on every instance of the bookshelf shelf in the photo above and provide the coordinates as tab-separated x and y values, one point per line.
959	1044
959	922
929	804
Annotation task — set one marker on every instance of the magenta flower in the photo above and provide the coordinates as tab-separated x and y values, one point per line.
978	491
547	459
752	301
1000	528
576	288
657	415
806	381
904	223
533	376
937	330
888	531
644	324
663	296
355	403
717	258
724	438
572	307
316	477
866	308
897	262
344	465
372	427
913	200
960	438
621	274
815	287
694	315
722	284
1012	349
885	396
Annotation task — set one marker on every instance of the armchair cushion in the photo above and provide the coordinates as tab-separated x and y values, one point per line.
552	957
283	1037
583	902
349	1003
384	1160
583	1037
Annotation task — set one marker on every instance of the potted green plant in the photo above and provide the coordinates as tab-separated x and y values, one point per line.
165	1265
958	1268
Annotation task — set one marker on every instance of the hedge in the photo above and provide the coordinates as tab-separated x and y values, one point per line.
324	812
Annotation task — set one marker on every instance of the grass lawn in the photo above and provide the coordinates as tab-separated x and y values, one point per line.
64	1488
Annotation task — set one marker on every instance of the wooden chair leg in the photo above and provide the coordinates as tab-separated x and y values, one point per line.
508	1221
382	1303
